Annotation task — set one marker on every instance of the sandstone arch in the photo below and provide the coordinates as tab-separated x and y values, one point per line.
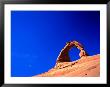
64	54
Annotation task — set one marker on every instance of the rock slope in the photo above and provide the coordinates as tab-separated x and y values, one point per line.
86	66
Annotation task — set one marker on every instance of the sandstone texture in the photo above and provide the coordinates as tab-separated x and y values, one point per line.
85	66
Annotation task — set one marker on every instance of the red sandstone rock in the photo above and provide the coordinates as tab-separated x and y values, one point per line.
88	66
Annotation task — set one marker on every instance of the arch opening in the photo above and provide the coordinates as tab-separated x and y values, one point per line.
64	54
74	54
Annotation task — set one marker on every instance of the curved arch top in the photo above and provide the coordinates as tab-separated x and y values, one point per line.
64	54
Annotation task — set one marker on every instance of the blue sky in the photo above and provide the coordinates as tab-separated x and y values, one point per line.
37	38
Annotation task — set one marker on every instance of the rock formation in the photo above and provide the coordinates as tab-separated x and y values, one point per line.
64	54
87	66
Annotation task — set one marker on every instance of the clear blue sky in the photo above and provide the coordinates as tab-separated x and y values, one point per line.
37	38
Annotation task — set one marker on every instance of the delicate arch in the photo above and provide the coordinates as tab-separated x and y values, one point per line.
64	54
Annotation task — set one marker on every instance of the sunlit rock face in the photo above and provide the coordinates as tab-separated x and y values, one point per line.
85	67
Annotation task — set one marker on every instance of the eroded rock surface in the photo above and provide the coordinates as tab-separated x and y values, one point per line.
64	54
87	66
